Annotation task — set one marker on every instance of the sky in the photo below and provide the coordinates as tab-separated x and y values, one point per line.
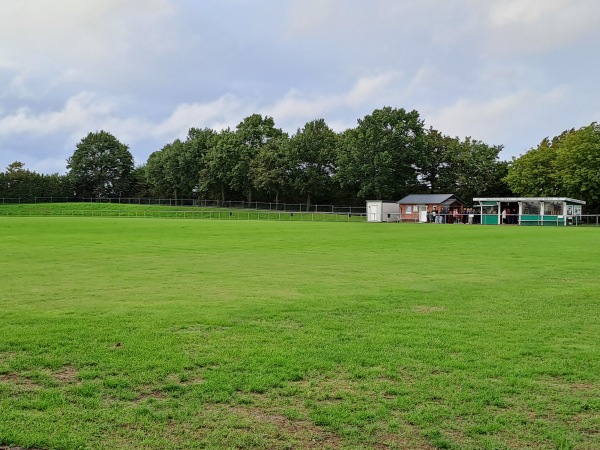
506	72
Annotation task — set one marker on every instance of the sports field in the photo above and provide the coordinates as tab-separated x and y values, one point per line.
172	334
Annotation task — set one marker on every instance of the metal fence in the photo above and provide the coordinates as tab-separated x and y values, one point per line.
203	209
189	213
229	204
220	214
492	219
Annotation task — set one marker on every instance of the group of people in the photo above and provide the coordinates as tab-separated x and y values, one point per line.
453	215
508	216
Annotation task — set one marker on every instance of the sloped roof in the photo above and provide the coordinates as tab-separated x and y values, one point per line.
429	199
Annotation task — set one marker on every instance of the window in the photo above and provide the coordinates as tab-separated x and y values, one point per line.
489	210
552	208
408	209
531	208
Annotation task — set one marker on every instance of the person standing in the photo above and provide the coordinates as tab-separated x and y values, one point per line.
504	212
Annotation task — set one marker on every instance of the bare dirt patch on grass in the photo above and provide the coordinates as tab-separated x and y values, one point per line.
187	379
6	356
66	375
150	394
428	309
301	432
16	448
20	382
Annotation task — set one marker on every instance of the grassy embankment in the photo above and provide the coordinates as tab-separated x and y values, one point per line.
127	333
166	212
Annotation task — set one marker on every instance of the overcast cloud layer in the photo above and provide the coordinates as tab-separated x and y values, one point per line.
507	72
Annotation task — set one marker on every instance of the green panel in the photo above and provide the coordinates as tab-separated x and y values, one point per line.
552	221
531	220
490	219
488	203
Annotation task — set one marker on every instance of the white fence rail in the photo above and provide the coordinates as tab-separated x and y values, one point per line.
219	214
266	206
250	214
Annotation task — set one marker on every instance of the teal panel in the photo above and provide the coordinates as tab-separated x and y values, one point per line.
490	219
531	220
552	220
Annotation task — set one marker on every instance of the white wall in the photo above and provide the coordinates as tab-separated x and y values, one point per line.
378	211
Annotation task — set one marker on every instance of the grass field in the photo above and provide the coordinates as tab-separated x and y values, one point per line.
158	334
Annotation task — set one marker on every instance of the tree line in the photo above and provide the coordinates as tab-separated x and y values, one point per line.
389	154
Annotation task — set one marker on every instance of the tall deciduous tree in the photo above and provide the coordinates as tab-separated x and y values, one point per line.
312	157
175	169
568	165
270	169
381	156
477	170
19	182
156	174
577	165
438	163
191	160
218	165
101	166
533	173
252	134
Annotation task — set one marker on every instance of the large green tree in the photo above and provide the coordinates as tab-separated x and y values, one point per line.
164	170
101	166
381	156
19	182
533	174
174	170
312	155
270	169
477	170
438	162
218	165
252	134
228	161
567	165
191	159
577	165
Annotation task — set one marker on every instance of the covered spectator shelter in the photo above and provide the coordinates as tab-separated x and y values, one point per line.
529	210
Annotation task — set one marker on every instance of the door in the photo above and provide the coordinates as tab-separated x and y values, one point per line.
422	213
374	212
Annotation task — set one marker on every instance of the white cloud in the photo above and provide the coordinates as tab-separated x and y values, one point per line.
525	12
518	26
87	111
358	19
148	70
82	109
90	35
508	27
17	87
227	111
498	119
302	106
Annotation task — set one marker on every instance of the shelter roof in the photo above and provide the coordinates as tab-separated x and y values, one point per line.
429	199
528	199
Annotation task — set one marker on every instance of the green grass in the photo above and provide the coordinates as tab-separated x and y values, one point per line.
158	334
167	212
